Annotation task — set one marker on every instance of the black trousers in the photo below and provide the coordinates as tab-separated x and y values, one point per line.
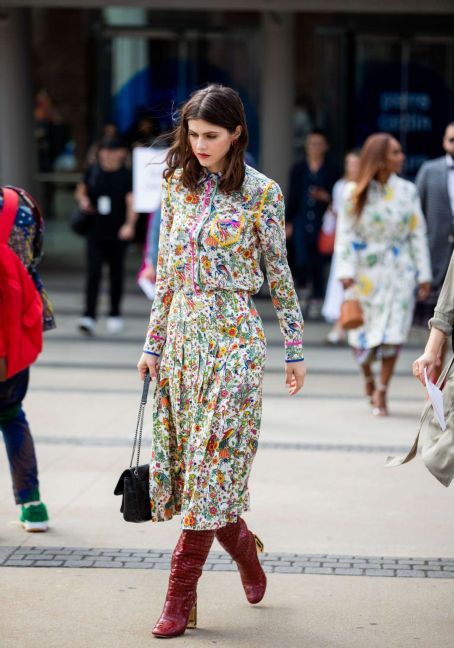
308	264
99	252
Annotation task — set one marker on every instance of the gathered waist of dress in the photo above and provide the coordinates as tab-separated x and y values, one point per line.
190	292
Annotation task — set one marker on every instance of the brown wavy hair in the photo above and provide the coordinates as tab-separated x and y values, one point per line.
220	106
371	161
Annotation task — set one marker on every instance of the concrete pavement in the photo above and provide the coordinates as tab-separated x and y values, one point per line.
318	487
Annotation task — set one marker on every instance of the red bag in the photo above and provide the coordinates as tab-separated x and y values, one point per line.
21	307
326	242
327	235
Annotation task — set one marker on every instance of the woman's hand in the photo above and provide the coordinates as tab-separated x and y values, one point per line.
423	291
147	363
347	283
126	232
295	373
85	204
320	194
429	360
149	273
432	356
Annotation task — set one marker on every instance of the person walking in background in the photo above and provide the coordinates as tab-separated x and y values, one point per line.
334	290
109	132
382	251
441	327
25	240
205	343
311	182
105	196
147	273
435	182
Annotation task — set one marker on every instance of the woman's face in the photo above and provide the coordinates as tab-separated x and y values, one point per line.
210	143
351	167
395	158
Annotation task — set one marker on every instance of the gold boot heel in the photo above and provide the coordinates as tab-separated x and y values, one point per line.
259	544
192	621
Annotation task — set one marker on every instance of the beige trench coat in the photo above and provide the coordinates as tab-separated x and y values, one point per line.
437	447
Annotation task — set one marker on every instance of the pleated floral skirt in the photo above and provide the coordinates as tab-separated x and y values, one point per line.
207	409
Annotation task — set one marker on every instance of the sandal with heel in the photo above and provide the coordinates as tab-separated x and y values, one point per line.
380	408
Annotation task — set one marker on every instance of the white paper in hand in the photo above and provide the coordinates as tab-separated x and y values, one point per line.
436	398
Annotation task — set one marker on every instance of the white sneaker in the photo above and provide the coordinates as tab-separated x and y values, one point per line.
87	325
115	325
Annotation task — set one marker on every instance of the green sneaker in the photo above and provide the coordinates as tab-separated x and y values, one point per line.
34	517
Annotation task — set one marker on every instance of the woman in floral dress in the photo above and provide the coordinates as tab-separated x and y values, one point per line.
383	255
205	343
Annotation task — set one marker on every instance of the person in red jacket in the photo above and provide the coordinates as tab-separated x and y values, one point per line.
26	241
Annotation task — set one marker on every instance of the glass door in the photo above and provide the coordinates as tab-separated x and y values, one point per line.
160	68
404	86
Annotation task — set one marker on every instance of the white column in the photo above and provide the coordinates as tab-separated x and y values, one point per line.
277	97
17	145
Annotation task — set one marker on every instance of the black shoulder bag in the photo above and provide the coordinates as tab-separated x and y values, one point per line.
79	220
133	484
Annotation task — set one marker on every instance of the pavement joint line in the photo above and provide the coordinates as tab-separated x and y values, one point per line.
277	563
307	396
265	445
116	366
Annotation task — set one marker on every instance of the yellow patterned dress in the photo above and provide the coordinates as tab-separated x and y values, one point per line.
203	324
386	252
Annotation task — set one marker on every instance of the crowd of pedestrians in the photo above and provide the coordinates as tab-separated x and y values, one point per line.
385	227
394	243
204	343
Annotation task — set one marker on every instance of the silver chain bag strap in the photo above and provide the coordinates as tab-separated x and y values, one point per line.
133	484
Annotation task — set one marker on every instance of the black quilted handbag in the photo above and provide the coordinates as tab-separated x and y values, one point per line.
133	483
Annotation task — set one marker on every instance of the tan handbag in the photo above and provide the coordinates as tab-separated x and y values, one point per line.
437	447
351	315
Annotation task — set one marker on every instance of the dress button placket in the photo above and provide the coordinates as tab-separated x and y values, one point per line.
206	208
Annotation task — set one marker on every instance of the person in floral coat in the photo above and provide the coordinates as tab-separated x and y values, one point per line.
383	256
205	343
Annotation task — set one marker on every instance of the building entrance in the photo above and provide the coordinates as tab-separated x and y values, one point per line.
404	86
152	71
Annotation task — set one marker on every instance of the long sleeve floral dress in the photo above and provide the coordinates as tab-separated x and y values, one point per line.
386	251
203	324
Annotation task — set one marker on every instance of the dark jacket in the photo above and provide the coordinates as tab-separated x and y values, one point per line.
432	183
301	209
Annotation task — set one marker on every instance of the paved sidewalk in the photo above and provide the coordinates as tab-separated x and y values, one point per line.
85	608
357	555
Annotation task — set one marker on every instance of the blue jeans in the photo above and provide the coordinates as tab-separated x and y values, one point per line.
18	439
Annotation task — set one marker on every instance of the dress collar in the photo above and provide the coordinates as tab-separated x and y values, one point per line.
378	186
208	175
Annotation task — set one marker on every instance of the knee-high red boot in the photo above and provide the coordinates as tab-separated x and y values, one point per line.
186	566
243	545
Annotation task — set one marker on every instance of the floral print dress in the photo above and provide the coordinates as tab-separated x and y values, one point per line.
386	251
209	336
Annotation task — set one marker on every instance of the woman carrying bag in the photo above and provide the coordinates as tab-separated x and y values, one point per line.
205	344
437	443
383	256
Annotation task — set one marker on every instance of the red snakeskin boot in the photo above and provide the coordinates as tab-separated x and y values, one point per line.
243	546
180	607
